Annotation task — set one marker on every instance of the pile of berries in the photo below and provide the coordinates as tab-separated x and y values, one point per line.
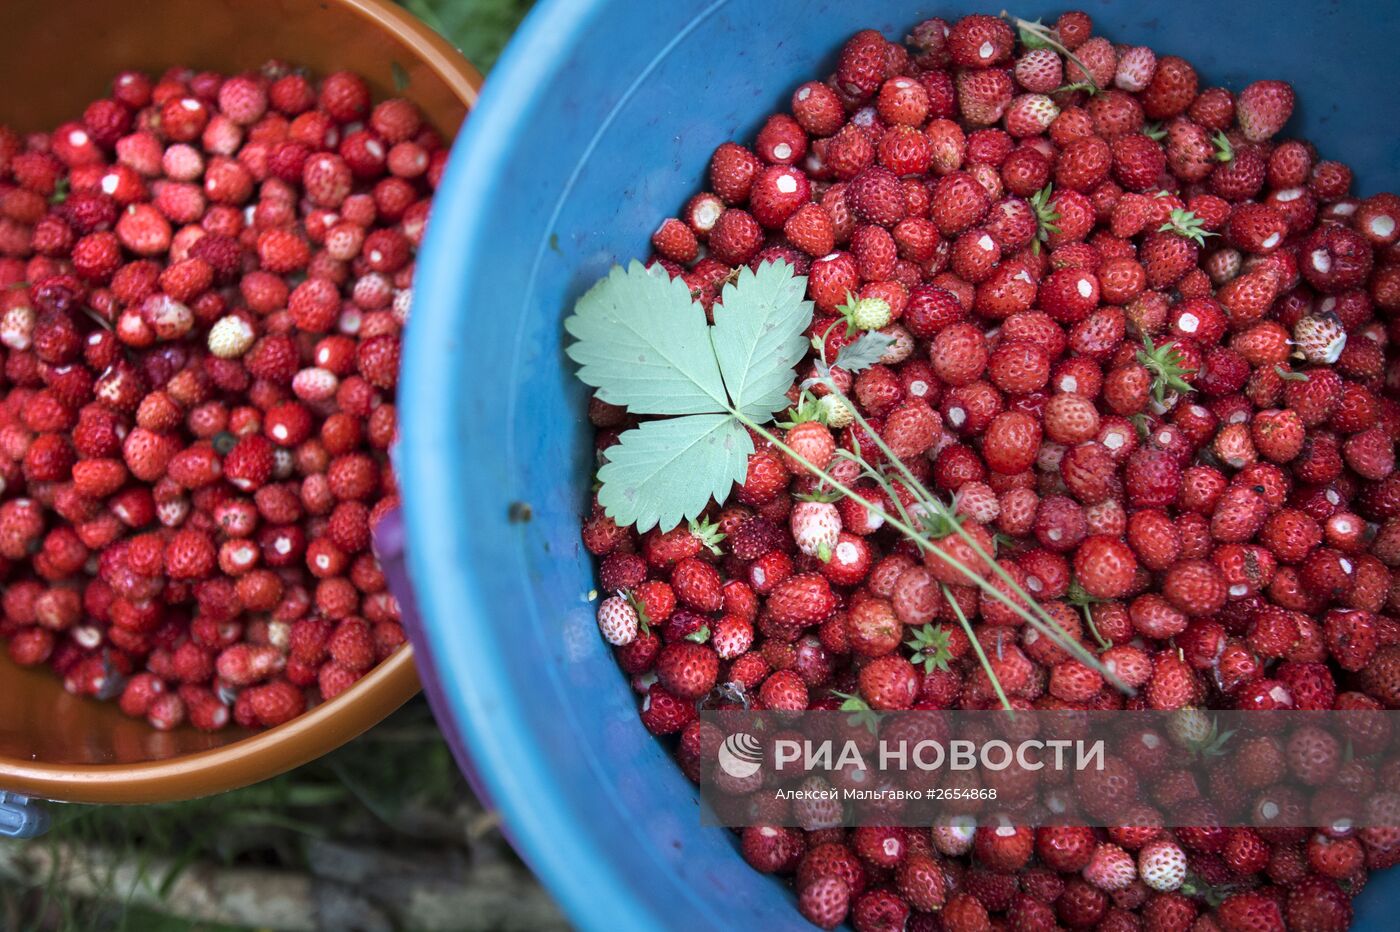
203	281
1142	344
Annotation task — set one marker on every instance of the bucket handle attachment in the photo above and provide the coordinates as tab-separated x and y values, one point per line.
22	817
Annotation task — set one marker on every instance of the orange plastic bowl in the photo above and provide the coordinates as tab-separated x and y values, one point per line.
57	56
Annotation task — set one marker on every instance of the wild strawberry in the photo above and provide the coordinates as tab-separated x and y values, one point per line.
824	902
1110	868
276	702
815	528
617	620
831	279
1172	684
1010	442
889	682
984	95
1249	912
1263	108
801	601
1105	567
1334	258
686	669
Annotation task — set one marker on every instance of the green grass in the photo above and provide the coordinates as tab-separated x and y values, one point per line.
479	28
361	791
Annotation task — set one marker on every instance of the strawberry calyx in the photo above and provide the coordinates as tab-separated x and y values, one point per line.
808	408
820	494
1192	731
864	313
1224	151
1164	362
1079	597
1187	225
1155	131
708	534
638	606
1045	216
930	645
1032	33
940	521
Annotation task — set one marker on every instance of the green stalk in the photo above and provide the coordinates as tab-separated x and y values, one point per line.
1044	623
924	545
1044	35
977	647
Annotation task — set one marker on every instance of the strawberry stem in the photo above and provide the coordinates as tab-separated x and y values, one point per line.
977	648
1043	35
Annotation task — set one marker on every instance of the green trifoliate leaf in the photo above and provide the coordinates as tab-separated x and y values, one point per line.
665	472
758	336
644	344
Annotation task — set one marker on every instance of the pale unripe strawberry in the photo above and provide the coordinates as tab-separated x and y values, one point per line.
868	313
815	527
1320	338
1162	864
617	620
230	337
17	328
836	413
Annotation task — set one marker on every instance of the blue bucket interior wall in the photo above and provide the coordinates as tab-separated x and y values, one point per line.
598	122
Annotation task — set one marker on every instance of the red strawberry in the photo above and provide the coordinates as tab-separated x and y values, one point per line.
1249	912
1263	108
861	67
1173	685
1172	89
889	682
698	584
800	601
1105	567
979	41
1110	868
687	670
824	902
984	95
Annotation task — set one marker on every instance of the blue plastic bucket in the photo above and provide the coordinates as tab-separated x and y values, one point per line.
598	121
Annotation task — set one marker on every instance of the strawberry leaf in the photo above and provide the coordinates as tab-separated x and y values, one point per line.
666	471
644	344
758	336
864	352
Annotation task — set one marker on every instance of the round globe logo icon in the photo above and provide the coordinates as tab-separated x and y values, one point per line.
741	755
